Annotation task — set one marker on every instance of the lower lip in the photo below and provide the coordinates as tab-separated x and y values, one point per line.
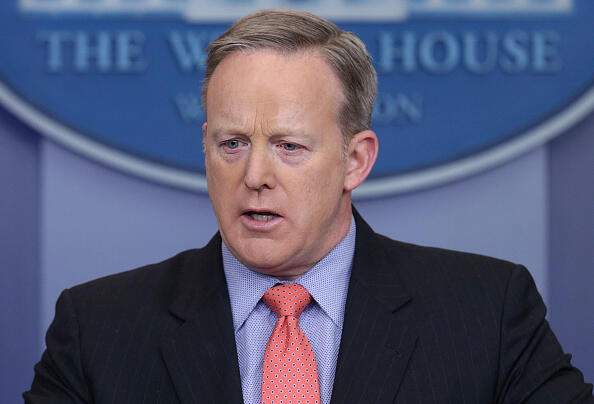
258	225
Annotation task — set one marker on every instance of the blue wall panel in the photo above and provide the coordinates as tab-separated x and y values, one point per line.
19	267
572	242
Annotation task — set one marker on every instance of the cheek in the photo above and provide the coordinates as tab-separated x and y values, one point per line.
328	176
220	172
220	180
317	188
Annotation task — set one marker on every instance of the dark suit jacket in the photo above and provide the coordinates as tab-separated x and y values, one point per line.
422	325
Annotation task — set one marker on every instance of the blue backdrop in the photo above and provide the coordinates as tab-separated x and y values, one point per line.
66	218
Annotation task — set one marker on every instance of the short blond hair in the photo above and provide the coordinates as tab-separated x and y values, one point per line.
290	31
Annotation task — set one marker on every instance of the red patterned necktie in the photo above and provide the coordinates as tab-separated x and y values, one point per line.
290	373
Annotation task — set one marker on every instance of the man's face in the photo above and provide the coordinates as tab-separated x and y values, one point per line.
274	160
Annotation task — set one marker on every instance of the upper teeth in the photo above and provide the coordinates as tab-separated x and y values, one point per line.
262	218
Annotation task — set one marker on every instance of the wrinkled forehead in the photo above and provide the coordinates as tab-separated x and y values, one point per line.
285	86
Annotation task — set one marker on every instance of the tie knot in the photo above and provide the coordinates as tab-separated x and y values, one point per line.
287	300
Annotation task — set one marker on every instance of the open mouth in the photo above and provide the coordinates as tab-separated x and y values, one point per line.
262	216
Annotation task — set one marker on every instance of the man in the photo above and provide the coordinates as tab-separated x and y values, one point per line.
294	300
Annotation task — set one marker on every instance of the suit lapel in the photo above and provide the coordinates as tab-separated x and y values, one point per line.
200	354
378	335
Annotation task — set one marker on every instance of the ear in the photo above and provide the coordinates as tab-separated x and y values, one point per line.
204	125
362	153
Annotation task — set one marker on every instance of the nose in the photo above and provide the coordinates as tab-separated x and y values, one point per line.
259	170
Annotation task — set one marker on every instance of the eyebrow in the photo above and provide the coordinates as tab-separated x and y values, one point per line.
216	133
278	132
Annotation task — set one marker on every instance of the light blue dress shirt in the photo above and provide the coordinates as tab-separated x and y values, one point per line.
322	319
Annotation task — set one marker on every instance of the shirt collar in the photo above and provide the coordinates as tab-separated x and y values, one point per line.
327	281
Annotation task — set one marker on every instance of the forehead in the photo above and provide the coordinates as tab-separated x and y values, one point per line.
285	86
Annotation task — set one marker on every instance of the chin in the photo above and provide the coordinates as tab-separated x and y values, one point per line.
259	250
261	262
269	256
267	264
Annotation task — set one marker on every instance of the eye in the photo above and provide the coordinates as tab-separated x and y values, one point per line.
289	146
232	144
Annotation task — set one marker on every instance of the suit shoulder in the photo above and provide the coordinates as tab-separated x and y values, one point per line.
147	273
443	263
150	284
443	278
